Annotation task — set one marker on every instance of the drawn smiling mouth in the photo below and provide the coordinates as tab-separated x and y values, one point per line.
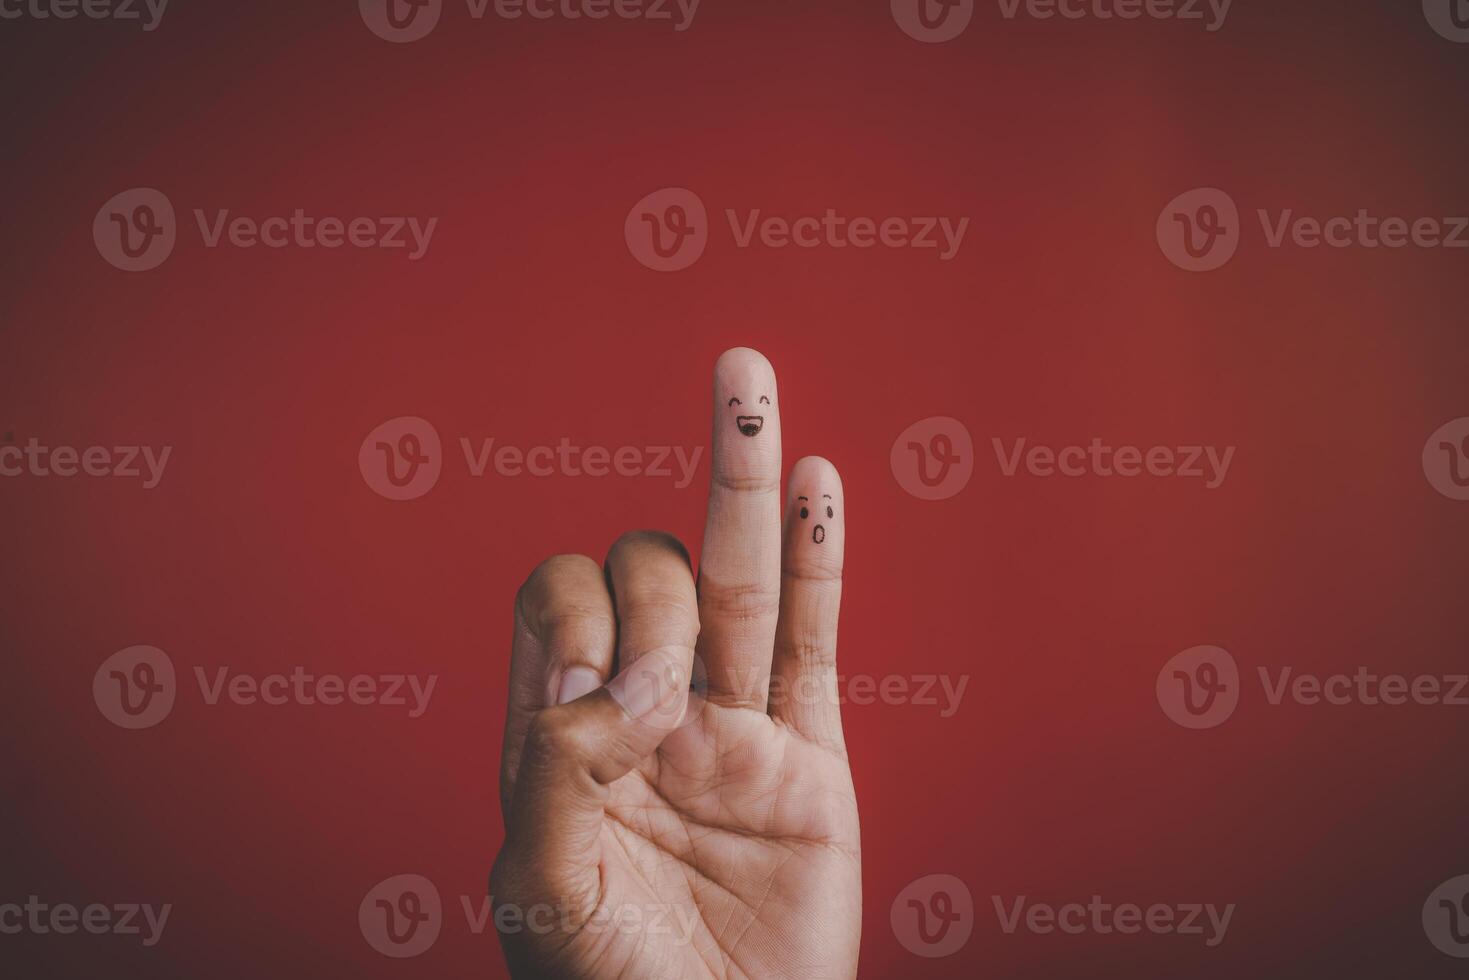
750	424
818	534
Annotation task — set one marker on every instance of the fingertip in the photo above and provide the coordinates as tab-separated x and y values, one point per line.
815	471
742	359
815	517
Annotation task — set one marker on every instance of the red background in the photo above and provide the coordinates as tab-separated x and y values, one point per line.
528	320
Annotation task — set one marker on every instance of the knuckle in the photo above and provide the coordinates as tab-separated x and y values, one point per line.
738	601
545	575
555	734
750	481
630	543
539	587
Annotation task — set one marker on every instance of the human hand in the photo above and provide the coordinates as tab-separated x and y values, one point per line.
655	832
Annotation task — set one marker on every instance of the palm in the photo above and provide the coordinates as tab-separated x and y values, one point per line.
742	837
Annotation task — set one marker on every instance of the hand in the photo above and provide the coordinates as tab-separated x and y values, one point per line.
654	832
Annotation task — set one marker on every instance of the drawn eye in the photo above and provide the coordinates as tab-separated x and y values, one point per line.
735	401
764	400
829	512
805	513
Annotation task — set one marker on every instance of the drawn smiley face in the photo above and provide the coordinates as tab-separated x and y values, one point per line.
818	533
749	425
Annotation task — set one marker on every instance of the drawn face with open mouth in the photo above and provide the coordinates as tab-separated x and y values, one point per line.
818	533
750	425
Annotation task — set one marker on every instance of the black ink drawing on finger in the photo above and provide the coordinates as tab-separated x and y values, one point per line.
818	533
750	425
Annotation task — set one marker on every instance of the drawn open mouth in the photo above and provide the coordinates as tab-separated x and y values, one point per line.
818	534
750	424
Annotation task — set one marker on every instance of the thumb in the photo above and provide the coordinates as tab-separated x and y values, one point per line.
572	753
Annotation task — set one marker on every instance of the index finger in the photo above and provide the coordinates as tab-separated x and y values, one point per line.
739	567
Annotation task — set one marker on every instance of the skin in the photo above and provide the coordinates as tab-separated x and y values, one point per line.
654	832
